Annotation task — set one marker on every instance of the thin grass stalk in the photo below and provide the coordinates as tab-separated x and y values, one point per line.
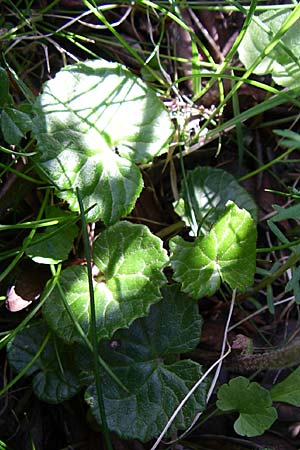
3	446
83	336
239	131
98	13
275	41
225	63
292	260
272	102
267	165
26	242
27	367
93	323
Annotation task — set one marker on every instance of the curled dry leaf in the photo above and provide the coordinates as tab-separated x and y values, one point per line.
15	302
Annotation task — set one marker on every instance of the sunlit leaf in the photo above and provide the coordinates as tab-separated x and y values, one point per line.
283	61
94	122
227	253
205	194
129	261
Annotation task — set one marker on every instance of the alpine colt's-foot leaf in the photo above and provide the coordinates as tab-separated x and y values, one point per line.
55	243
54	381
94	122
14	125
227	253
144	358
205	193
283	60
288	390
252	401
128	276
5	97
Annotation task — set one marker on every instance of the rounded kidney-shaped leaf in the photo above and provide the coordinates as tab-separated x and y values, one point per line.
138	356
129	261
143	413
227	253
94	122
283	61
253	402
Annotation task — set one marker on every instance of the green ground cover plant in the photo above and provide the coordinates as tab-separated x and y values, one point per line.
127	258
119	318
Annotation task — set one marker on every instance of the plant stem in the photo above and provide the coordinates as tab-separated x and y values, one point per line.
279	358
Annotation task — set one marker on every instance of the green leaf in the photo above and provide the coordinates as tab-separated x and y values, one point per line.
288	390
253	402
94	122
4	88
139	358
292	139
291	212
283	61
55	243
14	125
129	261
293	283
227	253
207	191
54	381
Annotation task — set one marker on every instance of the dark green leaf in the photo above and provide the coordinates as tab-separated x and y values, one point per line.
206	193
144	412
288	390
53	381
253	402
4	88
14	125
54	244
291	212
139	358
